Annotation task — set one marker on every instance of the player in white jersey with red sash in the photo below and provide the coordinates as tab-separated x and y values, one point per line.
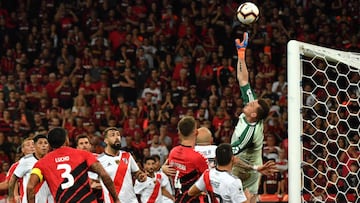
168	186
154	187
121	167
27	147
219	183
24	168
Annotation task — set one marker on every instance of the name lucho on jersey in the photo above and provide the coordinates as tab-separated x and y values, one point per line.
62	159
178	165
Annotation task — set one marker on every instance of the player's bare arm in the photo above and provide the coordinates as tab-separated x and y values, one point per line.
30	188
12	183
167	169
4	185
266	169
97	168
167	193
242	72
194	191
95	184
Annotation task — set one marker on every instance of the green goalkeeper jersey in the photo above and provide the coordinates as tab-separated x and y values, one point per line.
247	139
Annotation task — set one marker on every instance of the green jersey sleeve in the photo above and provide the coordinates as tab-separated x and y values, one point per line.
247	94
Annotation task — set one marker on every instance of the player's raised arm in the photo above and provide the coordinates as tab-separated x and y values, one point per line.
242	72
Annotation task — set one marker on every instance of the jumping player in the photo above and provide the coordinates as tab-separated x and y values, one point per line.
248	136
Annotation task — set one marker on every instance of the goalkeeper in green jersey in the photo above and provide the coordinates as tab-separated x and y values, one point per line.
248	136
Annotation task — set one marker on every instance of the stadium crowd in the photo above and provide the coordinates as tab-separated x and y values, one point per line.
141	65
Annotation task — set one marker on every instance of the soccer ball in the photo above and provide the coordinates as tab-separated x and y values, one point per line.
247	13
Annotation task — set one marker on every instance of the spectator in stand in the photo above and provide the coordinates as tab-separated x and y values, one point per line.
224	132
219	118
65	93
223	72
181	109
319	181
176	93
34	91
154	91
184	63
156	147
271	148
194	99
271	183
204	74
331	187
131	127
127	83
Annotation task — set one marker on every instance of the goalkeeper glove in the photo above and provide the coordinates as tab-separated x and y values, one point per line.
241	46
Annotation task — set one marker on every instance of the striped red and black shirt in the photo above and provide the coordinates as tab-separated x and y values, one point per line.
65	170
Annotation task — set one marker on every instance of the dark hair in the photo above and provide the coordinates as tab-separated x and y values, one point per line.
223	154
263	111
39	136
80	137
186	126
156	157
108	129
57	137
149	158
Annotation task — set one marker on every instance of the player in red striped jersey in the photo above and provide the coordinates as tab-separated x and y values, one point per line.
65	169
188	163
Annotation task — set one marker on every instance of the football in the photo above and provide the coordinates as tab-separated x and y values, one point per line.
247	13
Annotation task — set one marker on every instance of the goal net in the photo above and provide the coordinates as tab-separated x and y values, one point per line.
323	109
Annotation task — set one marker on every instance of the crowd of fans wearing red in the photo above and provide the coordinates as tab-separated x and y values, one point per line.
140	65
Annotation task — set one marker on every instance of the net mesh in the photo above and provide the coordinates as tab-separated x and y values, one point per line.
330	117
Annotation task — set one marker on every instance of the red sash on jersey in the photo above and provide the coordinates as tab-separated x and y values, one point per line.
121	171
156	189
209	187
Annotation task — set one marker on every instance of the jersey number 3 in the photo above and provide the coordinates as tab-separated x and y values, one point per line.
66	174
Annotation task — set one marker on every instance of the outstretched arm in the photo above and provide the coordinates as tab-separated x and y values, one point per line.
242	72
266	169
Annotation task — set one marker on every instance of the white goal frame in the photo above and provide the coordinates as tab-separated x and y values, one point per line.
294	70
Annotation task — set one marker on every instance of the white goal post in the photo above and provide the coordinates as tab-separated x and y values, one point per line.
296	51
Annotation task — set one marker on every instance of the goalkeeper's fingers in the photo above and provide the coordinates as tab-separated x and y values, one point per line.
245	39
